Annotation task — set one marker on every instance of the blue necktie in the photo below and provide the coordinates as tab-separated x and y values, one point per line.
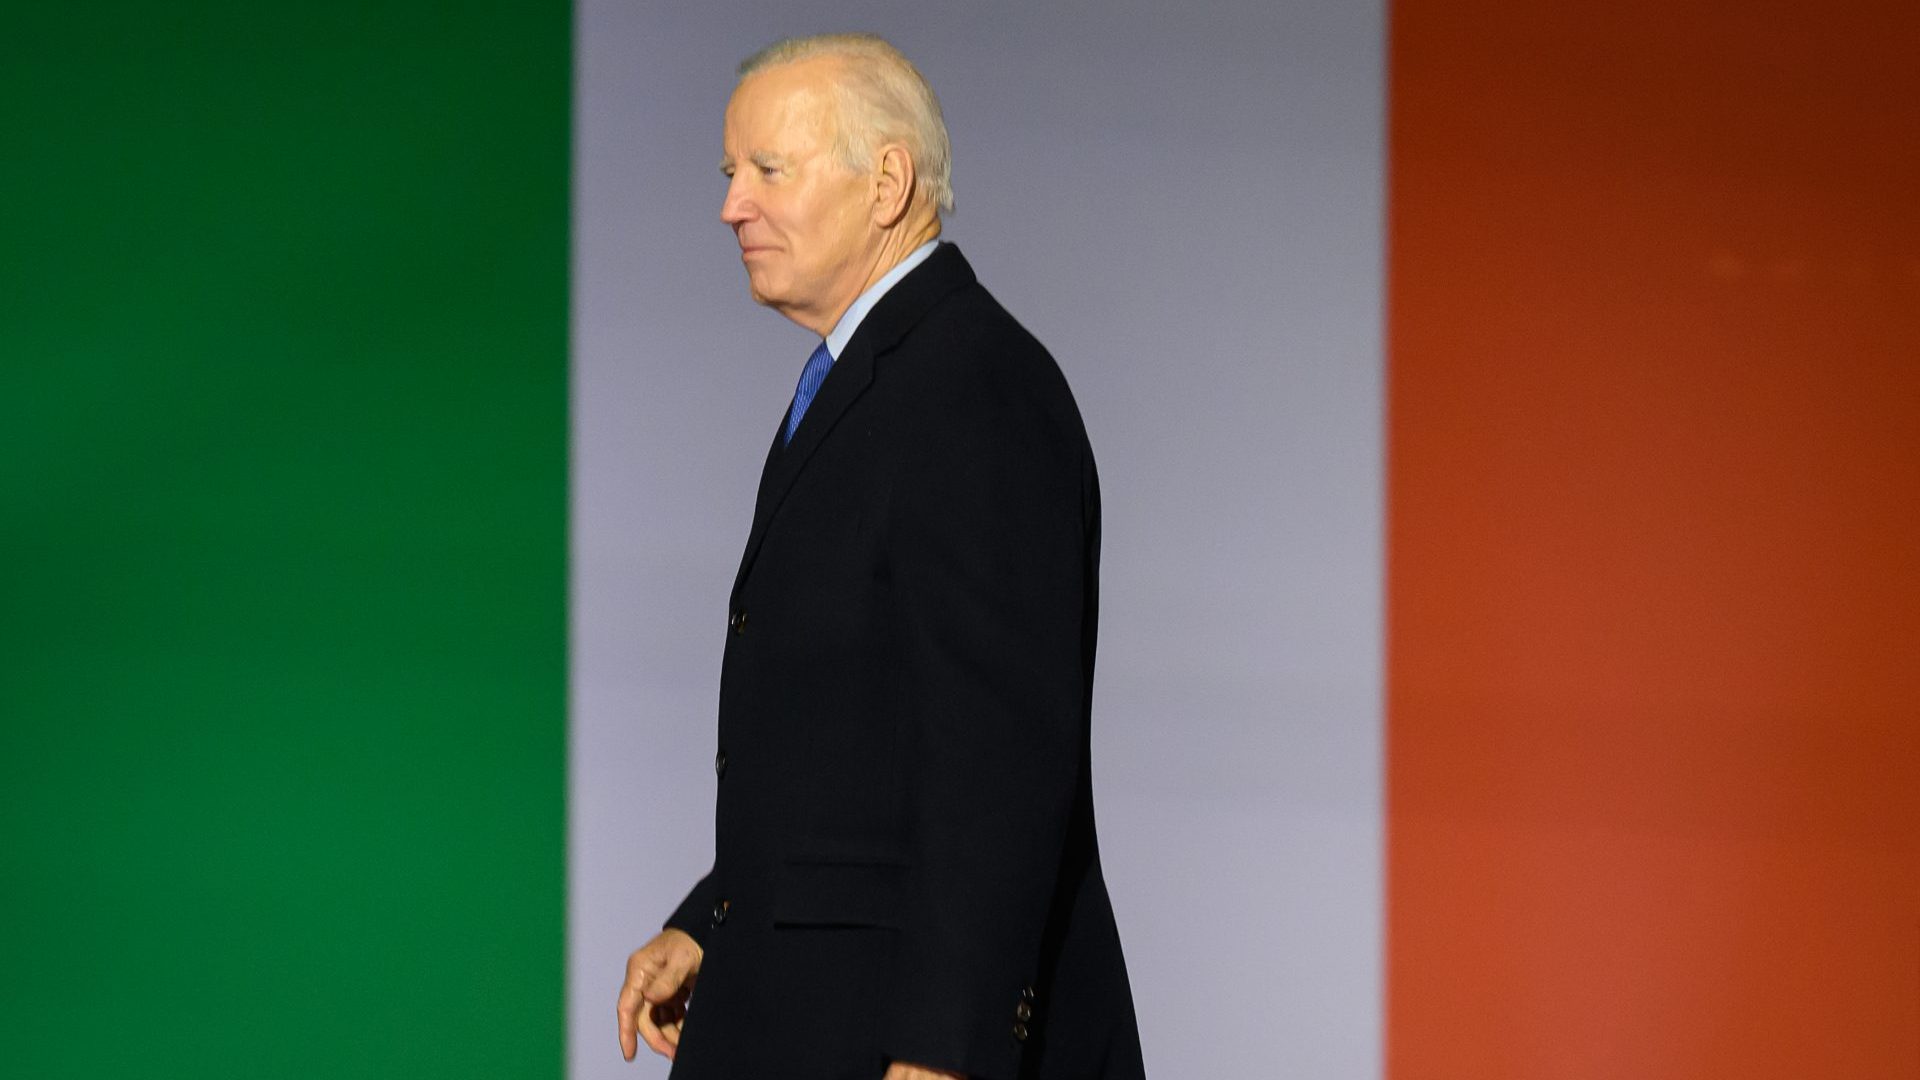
811	377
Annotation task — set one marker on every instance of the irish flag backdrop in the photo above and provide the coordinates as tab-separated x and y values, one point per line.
1510	424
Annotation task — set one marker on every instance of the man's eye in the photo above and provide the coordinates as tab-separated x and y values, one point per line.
768	170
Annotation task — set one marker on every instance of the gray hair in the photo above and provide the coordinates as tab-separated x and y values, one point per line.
884	97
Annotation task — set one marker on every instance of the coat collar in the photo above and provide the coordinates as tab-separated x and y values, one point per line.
904	305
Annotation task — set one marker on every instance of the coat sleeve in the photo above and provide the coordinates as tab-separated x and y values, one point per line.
695	913
991	587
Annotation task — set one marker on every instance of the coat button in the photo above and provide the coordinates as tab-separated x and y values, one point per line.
1019	1032
1027	992
720	763
1023	1011
737	622
720	912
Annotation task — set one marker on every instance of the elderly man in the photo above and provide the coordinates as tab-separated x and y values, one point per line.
905	881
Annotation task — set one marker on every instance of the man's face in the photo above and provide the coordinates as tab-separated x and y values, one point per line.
804	221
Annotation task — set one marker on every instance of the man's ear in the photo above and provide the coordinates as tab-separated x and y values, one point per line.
893	185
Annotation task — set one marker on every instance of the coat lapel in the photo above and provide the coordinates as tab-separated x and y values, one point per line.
896	313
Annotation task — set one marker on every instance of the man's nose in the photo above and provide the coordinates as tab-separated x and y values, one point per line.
736	207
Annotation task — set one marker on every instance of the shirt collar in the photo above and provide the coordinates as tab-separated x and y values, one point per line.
849	322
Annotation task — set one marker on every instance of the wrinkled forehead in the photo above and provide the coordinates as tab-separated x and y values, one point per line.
788	109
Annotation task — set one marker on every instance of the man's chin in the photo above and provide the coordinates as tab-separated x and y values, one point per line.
758	289
767	294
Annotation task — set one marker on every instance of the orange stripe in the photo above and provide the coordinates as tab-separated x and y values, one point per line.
1654	534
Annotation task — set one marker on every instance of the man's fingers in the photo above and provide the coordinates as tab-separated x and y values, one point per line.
626	1009
664	1021
650	1031
652	1003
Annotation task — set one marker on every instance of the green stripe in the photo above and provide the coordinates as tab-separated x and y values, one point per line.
282	604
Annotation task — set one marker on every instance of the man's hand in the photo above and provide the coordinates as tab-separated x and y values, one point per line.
900	1070
653	1001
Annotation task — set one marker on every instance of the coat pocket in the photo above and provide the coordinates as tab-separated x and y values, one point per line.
827	892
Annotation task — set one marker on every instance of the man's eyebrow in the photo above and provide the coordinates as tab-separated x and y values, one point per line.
762	158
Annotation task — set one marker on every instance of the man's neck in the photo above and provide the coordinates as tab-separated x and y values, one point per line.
898	245
895	246
849	324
